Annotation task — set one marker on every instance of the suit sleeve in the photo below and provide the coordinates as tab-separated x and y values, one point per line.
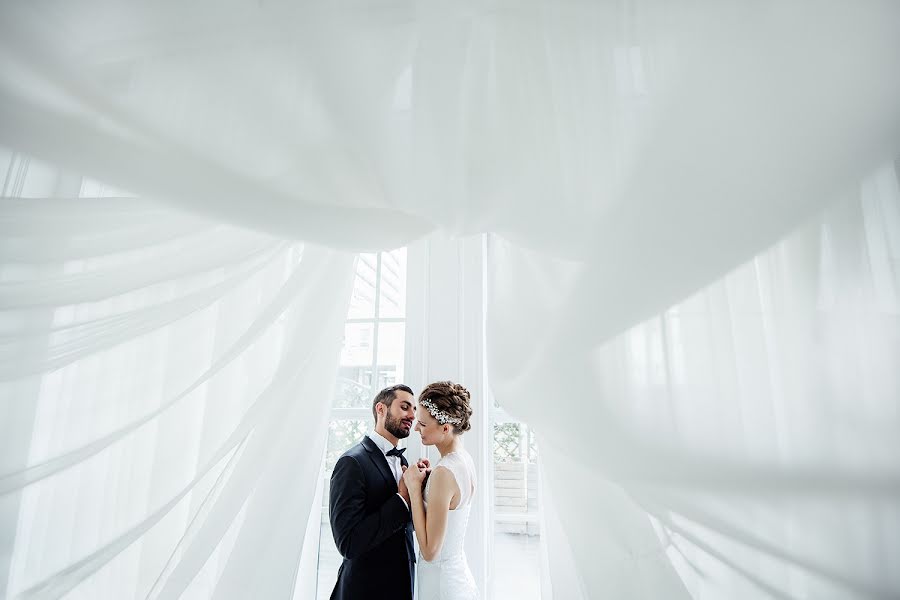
355	532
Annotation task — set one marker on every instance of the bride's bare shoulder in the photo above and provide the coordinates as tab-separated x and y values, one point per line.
443	480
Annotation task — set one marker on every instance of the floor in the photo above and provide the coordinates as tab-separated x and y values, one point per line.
516	571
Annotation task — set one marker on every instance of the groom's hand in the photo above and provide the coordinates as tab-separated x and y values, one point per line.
402	489
424	464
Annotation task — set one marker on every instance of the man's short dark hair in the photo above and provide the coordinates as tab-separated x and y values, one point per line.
387	395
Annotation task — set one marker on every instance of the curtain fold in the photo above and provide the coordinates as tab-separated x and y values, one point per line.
135	481
81	286
291	426
81	214
751	424
196	183
457	117
302	378
267	316
68	343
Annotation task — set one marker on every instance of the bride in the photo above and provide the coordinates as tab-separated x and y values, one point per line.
440	507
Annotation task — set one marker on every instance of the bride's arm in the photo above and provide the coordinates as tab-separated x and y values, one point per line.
430	528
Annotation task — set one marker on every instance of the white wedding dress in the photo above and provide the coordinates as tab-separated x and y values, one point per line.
448	577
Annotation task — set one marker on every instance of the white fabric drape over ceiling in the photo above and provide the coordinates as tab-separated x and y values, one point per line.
728	427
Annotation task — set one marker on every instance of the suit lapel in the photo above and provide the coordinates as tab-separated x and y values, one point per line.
378	459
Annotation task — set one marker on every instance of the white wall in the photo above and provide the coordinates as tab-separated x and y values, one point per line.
445	340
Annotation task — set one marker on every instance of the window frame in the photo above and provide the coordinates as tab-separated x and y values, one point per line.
318	523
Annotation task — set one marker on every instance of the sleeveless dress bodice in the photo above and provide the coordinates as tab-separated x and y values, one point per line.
447	576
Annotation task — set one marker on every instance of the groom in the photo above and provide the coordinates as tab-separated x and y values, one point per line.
369	507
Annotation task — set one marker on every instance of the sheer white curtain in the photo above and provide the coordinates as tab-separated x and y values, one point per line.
159	400
746	435
627	153
366	125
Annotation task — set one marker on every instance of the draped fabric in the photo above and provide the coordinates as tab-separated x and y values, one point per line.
681	250
750	427
183	389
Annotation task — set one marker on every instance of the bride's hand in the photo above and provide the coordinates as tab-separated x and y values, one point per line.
414	478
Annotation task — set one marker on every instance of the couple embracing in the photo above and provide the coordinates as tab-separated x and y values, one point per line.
377	501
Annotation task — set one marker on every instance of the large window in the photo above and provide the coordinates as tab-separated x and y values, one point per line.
371	359
516	510
417	321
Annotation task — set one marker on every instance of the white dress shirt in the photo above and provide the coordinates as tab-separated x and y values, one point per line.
393	461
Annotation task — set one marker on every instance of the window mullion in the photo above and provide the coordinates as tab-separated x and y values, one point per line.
375	386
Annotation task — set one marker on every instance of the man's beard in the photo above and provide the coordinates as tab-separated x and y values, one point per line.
395	427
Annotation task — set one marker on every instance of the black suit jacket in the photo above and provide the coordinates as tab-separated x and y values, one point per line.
372	528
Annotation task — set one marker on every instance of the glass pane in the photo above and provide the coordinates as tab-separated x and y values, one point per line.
532	448
517	566
507	443
342	434
353	388
392	295
362	300
359	339
391	340
511	471
369	362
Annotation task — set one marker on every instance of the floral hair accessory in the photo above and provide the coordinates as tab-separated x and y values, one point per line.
442	417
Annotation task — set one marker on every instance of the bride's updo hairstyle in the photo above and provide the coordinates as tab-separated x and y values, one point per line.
450	401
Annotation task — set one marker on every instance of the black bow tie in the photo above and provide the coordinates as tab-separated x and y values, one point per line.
395	452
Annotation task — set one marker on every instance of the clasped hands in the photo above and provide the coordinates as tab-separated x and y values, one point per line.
414	479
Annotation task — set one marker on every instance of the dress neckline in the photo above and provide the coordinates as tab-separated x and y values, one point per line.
449	453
